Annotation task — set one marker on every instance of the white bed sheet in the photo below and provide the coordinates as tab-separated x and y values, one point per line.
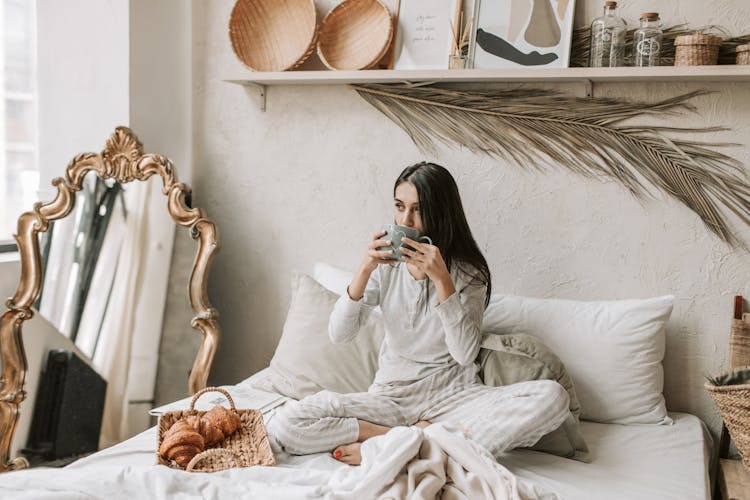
627	462
643	462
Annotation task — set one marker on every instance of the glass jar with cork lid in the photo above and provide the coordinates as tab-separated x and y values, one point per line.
607	38
647	40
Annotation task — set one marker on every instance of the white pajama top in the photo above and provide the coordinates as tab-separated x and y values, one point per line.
421	336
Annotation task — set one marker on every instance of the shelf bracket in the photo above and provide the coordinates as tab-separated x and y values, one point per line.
588	86
262	90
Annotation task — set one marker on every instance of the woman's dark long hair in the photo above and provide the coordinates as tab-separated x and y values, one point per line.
444	221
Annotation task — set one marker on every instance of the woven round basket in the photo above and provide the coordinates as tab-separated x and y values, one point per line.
733	402
696	50
743	54
356	34
273	35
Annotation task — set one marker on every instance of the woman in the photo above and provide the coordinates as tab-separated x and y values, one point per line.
432	304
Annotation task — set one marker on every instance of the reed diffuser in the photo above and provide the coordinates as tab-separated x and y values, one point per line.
459	55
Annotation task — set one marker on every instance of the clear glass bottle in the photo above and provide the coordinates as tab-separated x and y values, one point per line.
607	39
647	40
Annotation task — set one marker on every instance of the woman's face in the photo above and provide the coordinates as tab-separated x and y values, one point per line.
406	207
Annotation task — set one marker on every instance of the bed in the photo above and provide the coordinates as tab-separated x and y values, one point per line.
665	456
627	462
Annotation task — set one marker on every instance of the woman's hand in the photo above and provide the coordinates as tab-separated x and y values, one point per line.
375	256
375	253
428	259
425	257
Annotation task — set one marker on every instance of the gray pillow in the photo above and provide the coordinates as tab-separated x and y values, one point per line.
512	358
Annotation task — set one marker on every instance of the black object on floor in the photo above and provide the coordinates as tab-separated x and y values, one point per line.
67	416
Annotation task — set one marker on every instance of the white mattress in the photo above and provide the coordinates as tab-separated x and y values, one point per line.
628	462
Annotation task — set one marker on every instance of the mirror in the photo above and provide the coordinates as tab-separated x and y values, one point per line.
73	253
80	257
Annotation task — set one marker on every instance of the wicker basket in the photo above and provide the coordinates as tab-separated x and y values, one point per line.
356	34
273	35
733	402
247	446
743	54
696	50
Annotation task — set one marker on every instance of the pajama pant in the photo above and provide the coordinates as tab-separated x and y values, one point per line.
499	418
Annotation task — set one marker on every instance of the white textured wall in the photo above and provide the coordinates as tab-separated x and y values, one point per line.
83	83
311	178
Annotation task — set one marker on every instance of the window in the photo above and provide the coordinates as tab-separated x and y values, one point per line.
19	174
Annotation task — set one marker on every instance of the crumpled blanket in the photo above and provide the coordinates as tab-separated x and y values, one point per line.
435	463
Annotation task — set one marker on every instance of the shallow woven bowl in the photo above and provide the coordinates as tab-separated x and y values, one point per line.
355	35
273	35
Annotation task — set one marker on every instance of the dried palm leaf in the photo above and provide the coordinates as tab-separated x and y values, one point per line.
591	137
738	376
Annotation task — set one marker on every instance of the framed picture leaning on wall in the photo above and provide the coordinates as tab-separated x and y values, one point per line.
522	33
424	36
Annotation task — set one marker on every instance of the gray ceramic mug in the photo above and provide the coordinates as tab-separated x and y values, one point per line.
395	233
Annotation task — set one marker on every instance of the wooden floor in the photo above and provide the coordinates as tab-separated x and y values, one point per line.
734	480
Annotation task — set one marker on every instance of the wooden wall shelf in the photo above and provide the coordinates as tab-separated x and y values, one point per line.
719	73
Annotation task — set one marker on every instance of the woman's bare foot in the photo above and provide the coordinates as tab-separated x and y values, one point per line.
352	453
349	453
368	430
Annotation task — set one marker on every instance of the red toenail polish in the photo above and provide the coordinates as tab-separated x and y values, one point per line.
336	454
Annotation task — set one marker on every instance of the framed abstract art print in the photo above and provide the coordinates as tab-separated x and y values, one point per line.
523	33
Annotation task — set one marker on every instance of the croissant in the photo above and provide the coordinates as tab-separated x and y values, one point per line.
215	425
181	443
211	434
220	417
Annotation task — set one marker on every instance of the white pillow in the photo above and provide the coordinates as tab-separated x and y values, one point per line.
306	361
333	278
612	350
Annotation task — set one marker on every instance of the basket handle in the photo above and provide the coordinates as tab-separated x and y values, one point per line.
210	453
212	389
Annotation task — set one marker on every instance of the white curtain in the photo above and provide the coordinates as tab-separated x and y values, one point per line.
113	350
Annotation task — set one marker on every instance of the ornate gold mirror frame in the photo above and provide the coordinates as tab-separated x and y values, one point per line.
124	161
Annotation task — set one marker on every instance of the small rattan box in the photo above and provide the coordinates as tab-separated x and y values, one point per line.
696	50
743	54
